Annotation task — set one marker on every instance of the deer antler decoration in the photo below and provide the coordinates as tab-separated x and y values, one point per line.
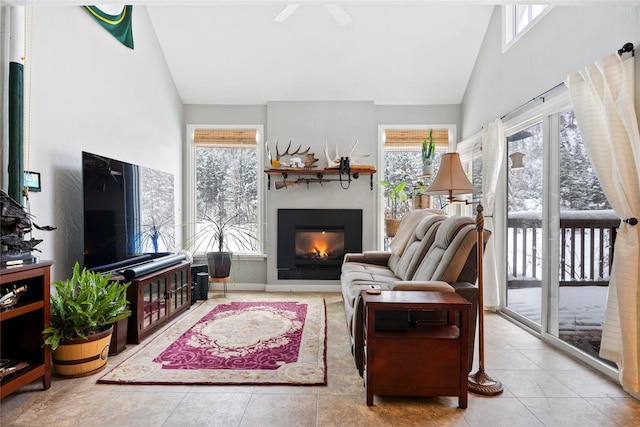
292	160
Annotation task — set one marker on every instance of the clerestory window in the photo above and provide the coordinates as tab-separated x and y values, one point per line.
518	19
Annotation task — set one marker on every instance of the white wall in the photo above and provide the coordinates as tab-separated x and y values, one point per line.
564	41
91	93
225	114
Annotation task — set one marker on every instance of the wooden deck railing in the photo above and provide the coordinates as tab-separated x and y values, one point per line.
586	248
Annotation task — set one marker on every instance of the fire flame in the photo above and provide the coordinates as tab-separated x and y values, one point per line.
319	252
318	245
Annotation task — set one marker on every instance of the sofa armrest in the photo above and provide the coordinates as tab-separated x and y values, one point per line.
368	257
422	285
352	257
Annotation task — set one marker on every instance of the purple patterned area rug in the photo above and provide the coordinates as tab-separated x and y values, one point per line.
237	342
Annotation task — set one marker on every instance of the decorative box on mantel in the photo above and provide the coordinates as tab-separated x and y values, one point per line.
296	176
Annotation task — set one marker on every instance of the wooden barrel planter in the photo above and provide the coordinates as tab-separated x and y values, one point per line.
79	357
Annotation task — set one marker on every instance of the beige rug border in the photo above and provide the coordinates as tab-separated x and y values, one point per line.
310	370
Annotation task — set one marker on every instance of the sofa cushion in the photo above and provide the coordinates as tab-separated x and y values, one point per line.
405	266
407	227
361	267
449	252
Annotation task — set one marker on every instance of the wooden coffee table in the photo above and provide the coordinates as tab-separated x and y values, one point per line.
427	359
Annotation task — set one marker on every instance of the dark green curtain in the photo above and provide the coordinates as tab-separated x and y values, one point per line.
16	135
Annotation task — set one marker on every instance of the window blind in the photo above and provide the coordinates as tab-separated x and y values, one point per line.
225	138
412	139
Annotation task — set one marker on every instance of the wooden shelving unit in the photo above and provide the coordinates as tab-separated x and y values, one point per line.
309	176
21	326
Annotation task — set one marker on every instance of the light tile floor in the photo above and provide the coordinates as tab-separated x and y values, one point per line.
543	387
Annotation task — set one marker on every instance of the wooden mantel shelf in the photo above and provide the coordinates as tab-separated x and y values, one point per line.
308	176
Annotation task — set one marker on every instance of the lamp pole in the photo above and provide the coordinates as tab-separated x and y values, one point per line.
481	382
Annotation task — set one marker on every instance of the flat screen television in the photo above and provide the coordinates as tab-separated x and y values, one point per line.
129	213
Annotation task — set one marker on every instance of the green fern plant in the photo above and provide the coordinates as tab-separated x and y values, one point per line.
84	305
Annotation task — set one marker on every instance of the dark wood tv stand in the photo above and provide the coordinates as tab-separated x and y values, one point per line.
156	298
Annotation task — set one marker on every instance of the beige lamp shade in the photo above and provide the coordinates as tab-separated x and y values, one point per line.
451	179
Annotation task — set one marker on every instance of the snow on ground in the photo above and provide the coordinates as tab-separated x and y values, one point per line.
581	308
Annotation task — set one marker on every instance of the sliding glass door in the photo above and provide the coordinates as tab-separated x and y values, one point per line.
524	223
560	233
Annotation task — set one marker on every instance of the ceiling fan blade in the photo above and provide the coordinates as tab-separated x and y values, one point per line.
338	13
286	12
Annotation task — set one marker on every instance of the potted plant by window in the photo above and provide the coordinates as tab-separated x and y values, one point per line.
395	195
420	200
83	311
217	235
428	153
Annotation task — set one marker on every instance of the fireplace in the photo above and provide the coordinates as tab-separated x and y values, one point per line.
312	242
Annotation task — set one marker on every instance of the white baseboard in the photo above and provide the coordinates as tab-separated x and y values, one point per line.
303	288
261	287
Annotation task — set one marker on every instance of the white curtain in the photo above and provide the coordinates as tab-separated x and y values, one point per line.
603	99
493	145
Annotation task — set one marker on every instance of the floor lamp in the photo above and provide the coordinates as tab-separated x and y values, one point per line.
451	180
481	382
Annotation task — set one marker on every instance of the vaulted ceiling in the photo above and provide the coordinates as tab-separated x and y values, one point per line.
390	52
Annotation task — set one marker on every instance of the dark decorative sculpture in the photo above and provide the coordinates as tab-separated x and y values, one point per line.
14	224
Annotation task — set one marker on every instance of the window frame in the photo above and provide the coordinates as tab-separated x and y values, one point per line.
510	35
380	234
189	185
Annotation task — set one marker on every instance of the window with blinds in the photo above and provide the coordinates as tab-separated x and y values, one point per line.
226	163
403	161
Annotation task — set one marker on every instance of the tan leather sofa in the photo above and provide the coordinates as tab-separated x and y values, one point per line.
431	253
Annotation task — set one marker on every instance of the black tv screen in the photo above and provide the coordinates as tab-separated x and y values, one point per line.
129	212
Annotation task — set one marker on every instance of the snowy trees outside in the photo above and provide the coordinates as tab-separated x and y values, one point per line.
579	191
579	186
227	193
404	166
